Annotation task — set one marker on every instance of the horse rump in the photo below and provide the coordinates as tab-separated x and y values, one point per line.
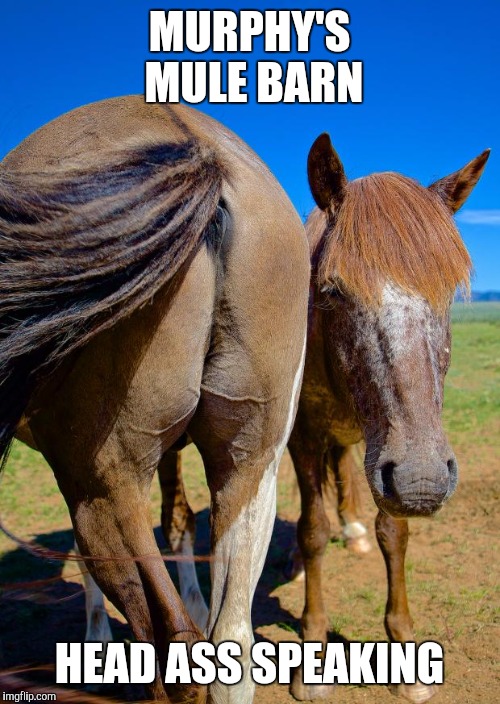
83	247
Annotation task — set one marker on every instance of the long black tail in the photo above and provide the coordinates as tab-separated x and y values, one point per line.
83	248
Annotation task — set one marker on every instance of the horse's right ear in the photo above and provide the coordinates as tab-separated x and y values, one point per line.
325	172
456	188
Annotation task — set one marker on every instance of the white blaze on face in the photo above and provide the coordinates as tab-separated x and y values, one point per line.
409	329
403	318
400	346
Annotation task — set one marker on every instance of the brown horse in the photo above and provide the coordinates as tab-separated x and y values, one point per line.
387	259
154	282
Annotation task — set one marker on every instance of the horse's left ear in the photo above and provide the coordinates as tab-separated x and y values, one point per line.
325	172
457	187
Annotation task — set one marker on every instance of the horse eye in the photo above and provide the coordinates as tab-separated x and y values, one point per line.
332	291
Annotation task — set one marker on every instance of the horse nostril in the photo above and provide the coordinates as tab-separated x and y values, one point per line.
387	476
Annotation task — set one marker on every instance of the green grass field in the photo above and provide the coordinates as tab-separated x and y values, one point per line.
472	394
488	312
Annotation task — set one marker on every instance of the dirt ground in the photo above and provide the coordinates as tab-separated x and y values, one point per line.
453	578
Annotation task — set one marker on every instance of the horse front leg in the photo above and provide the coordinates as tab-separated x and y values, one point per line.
179	529
342	461
313	534
392	537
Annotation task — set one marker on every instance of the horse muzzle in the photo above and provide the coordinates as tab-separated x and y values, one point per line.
409	490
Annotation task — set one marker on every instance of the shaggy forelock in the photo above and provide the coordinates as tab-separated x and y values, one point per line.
390	228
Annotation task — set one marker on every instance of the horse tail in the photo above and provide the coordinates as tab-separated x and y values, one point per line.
83	247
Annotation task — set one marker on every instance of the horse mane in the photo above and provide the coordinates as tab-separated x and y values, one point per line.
82	247
389	228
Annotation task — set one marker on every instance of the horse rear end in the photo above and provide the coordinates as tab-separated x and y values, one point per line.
181	307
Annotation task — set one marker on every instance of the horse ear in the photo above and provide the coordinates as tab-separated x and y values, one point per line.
457	187
325	172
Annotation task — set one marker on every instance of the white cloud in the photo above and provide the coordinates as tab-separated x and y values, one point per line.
479	217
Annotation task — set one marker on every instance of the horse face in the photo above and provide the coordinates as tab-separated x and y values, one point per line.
387	343
394	360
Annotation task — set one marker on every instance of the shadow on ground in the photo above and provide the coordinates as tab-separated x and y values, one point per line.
39	608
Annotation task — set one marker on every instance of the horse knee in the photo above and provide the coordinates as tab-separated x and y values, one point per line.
313	532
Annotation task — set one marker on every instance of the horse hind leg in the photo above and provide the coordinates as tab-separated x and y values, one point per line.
343	463
178	524
392	537
313	534
241	438
115	526
129	396
243	497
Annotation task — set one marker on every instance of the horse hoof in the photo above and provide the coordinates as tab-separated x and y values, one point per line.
417	692
308	692
359	546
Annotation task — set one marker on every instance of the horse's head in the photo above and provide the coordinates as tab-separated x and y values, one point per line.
387	259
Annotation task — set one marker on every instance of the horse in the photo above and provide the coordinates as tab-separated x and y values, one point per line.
154	283
387	259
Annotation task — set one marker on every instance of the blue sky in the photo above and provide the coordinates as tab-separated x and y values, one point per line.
431	91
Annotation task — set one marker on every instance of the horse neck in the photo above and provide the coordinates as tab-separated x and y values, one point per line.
324	387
